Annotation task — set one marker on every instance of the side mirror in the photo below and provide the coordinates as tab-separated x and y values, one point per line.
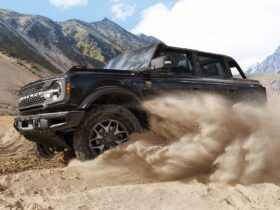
163	62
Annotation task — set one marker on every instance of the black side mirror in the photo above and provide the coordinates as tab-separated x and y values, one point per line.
163	62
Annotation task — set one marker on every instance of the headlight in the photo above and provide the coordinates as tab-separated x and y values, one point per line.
54	92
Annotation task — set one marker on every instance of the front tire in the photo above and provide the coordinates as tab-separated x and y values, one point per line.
104	127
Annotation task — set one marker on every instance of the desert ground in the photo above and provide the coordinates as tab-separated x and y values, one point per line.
191	159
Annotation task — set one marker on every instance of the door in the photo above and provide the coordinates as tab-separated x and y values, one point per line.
239	87
182	75
215	73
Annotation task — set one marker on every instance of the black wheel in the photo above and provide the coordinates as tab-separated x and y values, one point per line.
43	151
104	127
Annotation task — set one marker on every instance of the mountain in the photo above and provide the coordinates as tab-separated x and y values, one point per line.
148	39
53	47
119	35
270	65
40	41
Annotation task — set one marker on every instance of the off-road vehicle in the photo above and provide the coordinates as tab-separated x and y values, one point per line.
91	110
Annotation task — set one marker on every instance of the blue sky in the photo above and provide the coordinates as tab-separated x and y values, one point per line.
88	10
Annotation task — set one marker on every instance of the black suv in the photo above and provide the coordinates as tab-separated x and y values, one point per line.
92	110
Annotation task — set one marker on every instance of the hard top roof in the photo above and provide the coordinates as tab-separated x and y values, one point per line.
159	45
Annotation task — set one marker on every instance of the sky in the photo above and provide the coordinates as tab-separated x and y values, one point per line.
247	30
127	13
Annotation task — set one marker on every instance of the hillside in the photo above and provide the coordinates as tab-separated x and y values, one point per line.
56	46
13	75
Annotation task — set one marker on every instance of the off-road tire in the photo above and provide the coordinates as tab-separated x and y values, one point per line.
42	151
96	115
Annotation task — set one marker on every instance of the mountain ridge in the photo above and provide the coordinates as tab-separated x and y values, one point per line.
270	65
55	46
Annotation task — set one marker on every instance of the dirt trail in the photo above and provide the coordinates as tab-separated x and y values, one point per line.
16	154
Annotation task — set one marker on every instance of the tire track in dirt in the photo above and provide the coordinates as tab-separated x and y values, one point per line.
16	153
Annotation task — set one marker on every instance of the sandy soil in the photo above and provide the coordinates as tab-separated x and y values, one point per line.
144	176
16	154
29	183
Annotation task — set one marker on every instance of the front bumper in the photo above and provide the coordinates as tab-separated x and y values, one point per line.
49	122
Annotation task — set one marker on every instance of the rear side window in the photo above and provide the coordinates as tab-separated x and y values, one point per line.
234	69
213	66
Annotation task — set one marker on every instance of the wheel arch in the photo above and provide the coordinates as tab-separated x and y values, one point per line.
119	96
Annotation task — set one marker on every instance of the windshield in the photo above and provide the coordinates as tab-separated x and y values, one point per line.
132	60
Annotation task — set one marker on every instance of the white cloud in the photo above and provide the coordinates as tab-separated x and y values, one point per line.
121	10
66	4
247	30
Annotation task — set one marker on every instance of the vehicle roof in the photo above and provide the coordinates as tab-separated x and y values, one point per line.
156	47
192	50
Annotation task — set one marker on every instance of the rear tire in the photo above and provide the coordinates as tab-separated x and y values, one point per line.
43	151
104	127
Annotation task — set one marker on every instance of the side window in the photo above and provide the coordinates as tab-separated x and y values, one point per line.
234	70
213	66
181	63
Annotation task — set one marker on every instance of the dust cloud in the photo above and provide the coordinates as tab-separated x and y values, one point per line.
205	137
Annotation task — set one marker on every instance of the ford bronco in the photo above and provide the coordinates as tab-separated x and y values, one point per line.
91	110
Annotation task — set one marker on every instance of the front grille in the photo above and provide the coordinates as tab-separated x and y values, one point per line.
30	89
32	101
31	96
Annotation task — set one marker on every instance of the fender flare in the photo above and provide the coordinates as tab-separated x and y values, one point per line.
87	102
